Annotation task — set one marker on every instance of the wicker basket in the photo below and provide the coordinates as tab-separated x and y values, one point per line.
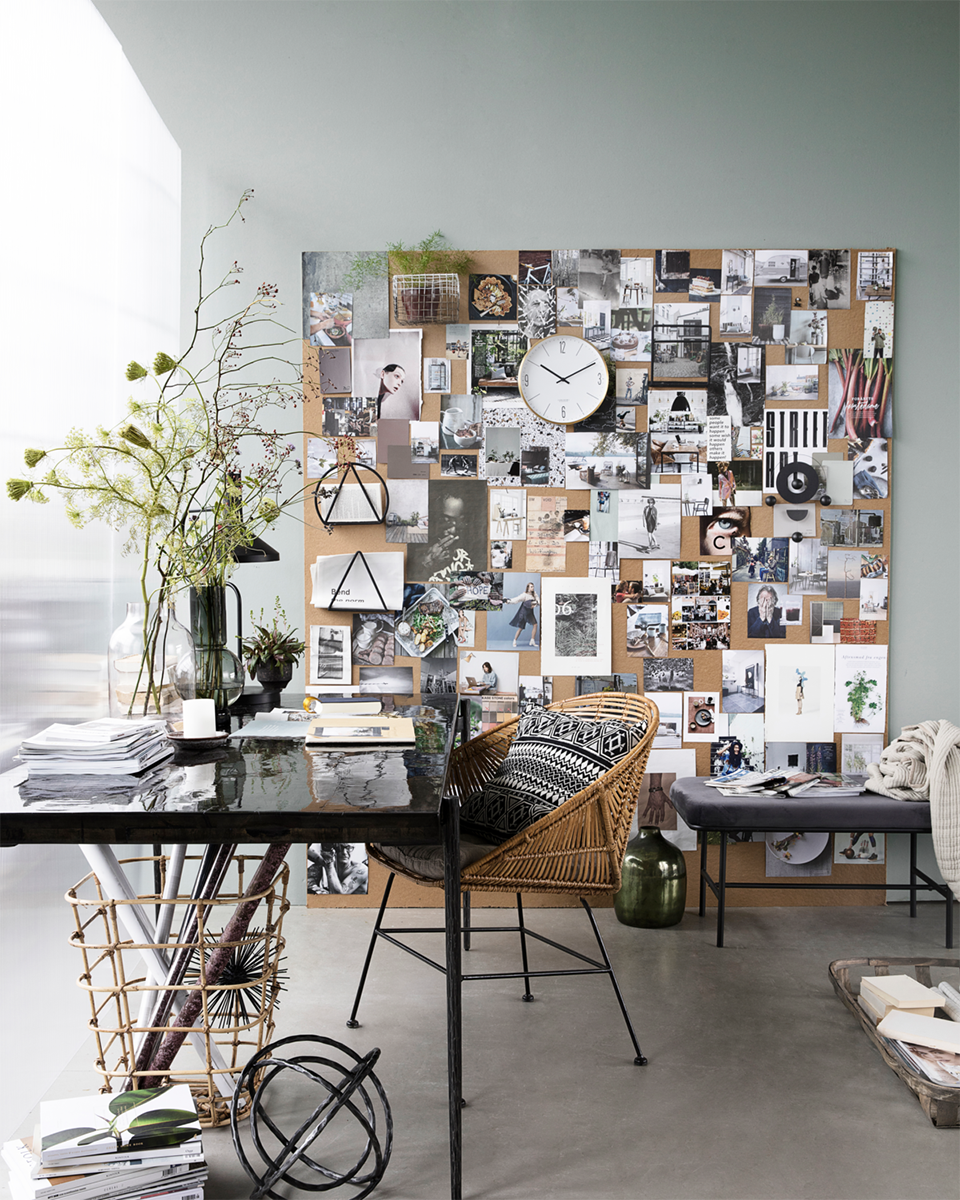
238	1011
939	1102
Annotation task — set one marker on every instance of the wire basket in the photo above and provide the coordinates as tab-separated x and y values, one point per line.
237	1013
426	299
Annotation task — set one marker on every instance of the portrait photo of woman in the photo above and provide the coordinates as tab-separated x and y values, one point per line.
388	370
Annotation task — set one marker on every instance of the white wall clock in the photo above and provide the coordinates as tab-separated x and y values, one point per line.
563	379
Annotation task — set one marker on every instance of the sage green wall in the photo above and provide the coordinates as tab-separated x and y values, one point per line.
560	123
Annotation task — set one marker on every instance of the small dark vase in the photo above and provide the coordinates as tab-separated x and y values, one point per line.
273	674
653	889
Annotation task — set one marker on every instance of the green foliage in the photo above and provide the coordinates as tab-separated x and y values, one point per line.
273	644
160	1127
772	314
431	255
858	697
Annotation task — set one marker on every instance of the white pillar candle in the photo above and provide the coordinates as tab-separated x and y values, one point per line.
199	719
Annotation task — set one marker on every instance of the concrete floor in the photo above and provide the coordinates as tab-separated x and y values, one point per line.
760	1083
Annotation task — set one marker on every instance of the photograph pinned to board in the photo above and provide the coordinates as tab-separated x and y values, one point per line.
576	631
705	284
843	574
598	276
334	369
349	416
536	310
609	460
736	316
871	468
458	466
878	329
564	267
438	676
669	735
858	750
628	591
534	465
407	512
370	581
337	869
492	297
792	383
631	334
742	681
826	617
626	418
736	484
436	375
457	511
604	506
508	513
861	848
489	672
458	342
461	422
576	525
681	342
501	446
388	369
546	550
588	685
760	559
726	756
516	625
329	654
672	270
875	274
656	579
771	314
386	680
424	442
596	316
799	693
861	689
534	691
749	728
535	268
808	567
330	319
664	768
736	389
668	675
828	278
873	599
737	270
477	591
501	555
765	604
636	282
466	632
807	341
603	560
647	631
702	719
649	522
860	395
372	639
568	307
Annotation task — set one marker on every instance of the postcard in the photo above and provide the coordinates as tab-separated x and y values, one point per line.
799	693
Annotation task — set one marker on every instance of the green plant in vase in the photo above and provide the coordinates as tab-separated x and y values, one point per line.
274	649
174	475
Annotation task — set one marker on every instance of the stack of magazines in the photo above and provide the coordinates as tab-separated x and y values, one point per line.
109	746
138	1145
786	783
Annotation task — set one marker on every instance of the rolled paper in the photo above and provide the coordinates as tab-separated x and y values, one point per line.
199	719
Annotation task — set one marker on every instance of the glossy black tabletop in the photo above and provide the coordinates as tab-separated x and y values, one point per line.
251	790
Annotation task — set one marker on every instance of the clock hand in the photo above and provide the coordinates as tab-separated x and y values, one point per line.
554	373
567	378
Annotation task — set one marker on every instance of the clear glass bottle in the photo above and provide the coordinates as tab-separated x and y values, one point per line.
151	667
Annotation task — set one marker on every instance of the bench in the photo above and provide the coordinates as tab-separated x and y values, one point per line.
706	810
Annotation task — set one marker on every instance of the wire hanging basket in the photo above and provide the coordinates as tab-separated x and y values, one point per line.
426	299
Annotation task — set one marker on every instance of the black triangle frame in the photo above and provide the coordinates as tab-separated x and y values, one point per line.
343	579
351	469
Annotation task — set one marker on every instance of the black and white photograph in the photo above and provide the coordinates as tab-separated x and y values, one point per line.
536	310
762	560
599	276
808	567
828	277
329	654
736	269
677	421
750	363
501	450
780	266
626	418
647	632
516	625
535	268
607	460
649	522
603	560
565	268
384	680
424	441
461	422
461	466
535	691
436	375
508	514
489	672
681	341
668	675
568	306
736	391
589	685
736	316
495	356
501	555
596	322
388	369
705	284
457	511
875	275
478	591
742	681
771	314
576	629
631	337
825	619
349	416
492	297
633	384
337	868
672	271
407	511
458	341
636	283
334	369
372	639
438	676
792	383
534	466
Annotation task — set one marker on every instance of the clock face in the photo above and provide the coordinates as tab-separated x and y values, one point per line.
563	379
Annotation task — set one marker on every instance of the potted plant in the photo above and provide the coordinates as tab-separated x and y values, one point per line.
274	649
772	320
426	283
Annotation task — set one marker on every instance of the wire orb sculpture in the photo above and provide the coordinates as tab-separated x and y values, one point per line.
350	1090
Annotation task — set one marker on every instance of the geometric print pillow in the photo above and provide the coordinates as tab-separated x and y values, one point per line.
553	756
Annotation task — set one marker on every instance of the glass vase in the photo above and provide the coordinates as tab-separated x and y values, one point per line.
150	664
653	888
219	671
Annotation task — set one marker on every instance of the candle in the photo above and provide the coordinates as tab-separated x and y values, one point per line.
199	719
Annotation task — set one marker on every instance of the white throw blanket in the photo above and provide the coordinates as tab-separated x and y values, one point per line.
923	763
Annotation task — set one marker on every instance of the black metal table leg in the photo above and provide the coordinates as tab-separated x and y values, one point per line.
913	874
703	873
722	886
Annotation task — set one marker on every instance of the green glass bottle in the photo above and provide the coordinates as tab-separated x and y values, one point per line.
653	889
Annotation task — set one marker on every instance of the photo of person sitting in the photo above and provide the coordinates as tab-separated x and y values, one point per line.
763	620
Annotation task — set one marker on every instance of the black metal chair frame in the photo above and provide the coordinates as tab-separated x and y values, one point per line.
594	967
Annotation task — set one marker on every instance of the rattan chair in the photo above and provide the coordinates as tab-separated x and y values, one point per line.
576	850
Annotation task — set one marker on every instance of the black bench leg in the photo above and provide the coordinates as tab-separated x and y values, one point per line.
913	874
722	888
466	920
703	873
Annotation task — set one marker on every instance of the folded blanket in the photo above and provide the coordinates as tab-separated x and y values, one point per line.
923	763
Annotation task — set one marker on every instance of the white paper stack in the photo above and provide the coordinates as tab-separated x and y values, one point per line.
109	746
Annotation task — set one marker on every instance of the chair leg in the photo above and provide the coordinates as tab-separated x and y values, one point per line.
465	925
527	995
640	1059
352	1022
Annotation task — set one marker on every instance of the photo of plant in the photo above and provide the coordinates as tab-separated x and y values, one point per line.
861	688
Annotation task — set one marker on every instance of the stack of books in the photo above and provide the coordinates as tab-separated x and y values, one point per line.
138	1145
109	746
786	783
903	1011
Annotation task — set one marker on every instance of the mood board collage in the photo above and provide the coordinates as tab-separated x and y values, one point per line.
663	471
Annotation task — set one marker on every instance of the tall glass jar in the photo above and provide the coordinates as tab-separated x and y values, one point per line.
653	889
150	664
219	671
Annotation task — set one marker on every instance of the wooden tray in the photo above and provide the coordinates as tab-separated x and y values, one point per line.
939	1102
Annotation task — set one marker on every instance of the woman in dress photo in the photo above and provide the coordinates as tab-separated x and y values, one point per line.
525	614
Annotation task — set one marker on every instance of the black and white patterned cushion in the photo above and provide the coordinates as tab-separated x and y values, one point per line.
553	756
